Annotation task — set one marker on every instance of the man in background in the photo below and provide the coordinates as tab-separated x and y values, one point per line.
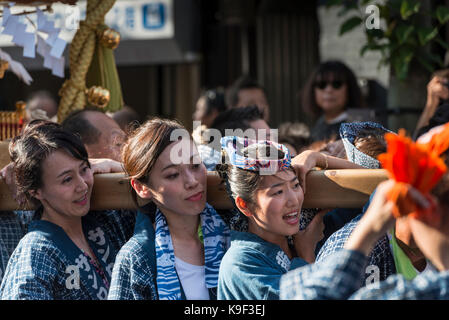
41	105
101	135
247	92
126	118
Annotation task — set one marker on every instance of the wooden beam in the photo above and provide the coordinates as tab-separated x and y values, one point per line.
348	188
4	154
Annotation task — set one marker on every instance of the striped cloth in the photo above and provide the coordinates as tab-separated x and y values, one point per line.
216	236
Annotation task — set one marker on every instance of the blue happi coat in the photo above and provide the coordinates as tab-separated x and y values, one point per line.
341	274
13	226
47	265
252	268
380	259
134	275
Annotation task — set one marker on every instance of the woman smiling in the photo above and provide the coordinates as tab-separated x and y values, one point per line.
267	191
179	239
69	251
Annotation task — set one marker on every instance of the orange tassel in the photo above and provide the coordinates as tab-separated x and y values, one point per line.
415	164
440	141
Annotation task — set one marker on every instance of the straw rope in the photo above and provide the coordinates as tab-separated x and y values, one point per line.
73	91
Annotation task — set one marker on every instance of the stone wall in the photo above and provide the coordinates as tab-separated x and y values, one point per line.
347	47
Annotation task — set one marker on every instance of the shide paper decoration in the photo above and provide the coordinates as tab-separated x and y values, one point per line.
7	63
93	74
43	37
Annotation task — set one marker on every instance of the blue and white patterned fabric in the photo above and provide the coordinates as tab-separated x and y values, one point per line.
209	156
4	257
429	285
135	272
234	146
336	277
380	259
121	222
13	226
348	133
47	265
216	241
340	276
252	267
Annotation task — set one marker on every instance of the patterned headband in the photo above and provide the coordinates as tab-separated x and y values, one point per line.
234	146
349	132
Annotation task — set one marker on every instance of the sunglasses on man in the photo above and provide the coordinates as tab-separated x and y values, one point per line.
336	84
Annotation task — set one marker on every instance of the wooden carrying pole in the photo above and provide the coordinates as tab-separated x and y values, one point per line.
349	188
4	153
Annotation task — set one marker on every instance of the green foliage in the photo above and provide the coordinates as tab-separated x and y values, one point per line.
350	24
403	32
404	37
409	8
442	14
426	34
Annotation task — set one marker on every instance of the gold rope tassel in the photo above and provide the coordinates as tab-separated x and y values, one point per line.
103	71
82	48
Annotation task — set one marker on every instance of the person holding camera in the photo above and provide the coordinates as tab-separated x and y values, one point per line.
436	111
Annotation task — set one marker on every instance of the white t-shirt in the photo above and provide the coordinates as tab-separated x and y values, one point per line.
193	280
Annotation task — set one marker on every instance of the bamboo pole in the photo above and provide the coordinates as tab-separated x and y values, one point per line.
349	188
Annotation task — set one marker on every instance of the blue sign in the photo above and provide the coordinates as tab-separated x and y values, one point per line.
129	17
153	15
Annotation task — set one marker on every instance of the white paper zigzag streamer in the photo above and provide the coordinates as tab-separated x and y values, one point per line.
50	48
17	68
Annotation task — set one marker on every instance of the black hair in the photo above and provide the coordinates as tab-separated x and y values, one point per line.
142	149
28	151
127	118
237	118
338	71
295	133
242	182
242	83
77	123
215	100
